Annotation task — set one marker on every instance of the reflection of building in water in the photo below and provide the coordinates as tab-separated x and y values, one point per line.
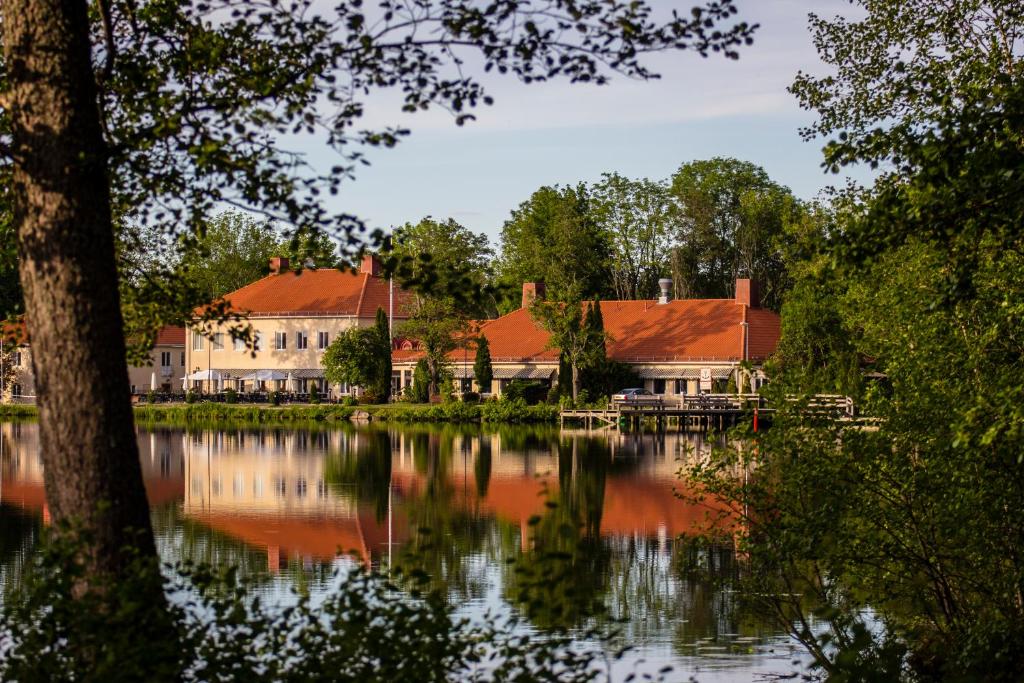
21	466
273	489
643	495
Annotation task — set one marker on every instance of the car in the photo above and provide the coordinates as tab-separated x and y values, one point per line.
635	395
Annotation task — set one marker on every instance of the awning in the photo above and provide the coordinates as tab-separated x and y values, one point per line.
264	376
206	375
463	372
680	373
523	373
307	373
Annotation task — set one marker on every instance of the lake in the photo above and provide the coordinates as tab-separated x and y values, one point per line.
473	506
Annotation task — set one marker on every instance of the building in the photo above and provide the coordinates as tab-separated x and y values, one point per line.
164	374
675	347
293	316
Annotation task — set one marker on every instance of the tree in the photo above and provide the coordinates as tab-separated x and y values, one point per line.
420	382
482	369
730	218
438	325
637	217
553	238
231	251
579	342
150	118
361	356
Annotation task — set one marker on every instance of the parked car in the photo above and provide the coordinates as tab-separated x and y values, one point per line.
636	395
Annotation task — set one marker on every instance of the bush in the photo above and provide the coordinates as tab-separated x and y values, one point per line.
470	397
314	395
275	398
191	396
530	392
370	627
348	401
231	396
151	397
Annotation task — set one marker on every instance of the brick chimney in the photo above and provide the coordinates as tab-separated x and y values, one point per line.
278	265
747	292
531	291
371	265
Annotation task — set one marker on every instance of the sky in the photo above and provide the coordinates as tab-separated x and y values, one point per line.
558	133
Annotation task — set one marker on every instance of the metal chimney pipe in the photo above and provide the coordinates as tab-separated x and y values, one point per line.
666	290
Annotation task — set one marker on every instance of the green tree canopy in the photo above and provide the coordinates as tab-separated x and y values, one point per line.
361	356
553	238
731	217
231	251
482	370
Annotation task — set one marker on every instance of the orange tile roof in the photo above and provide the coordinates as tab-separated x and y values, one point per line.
170	335
14	331
321	292
643	331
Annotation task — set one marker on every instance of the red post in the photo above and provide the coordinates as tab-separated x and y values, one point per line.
755	419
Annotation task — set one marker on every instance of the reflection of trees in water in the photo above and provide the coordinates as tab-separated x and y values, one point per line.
366	470
19	535
448	531
561	578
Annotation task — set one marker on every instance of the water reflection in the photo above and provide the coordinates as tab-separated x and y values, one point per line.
571	528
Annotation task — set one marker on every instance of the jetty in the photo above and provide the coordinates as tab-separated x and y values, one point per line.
698	411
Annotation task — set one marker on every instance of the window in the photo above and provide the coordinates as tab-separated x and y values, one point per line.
301	341
132	389
16	359
681	387
659	386
197	342
239	344
165	359
280	341
218	341
257	341
300	488
322	340
182	359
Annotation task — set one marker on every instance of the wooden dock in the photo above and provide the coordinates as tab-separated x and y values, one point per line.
702	411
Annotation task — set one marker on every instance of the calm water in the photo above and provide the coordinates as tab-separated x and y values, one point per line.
279	503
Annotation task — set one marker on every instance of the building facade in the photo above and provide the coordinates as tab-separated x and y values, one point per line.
292	317
676	347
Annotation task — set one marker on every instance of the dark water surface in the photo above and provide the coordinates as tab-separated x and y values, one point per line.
471	504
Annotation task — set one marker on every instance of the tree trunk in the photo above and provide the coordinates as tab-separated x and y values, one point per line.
61	207
575	381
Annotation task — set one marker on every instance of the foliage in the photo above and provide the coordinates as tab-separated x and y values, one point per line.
420	388
445	260
581	344
482	369
731	218
470	397
191	396
11	298
274	397
230	250
638	218
911	517
314	395
529	391
231	396
366	629
553	238
361	356
439	325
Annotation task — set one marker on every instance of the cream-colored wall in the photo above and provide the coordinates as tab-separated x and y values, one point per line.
20	374
267	358
142	376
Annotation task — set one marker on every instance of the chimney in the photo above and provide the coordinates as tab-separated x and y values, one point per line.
666	290
371	265
747	292
278	265
531	291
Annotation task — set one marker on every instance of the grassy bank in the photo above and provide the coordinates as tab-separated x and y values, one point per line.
507	412
17	411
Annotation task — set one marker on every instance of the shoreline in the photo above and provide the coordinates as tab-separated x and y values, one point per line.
497	412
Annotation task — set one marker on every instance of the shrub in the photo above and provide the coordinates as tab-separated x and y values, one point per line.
529	391
191	396
348	401
275	398
314	395
231	396
470	397
151	397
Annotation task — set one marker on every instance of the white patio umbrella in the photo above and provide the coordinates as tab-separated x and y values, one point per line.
184	382
152	382
288	384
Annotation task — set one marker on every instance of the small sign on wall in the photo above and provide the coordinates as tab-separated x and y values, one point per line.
705	379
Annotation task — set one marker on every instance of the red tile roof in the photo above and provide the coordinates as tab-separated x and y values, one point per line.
644	331
14	331
169	335
321	292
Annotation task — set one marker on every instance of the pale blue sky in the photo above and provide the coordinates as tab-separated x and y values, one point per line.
557	133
